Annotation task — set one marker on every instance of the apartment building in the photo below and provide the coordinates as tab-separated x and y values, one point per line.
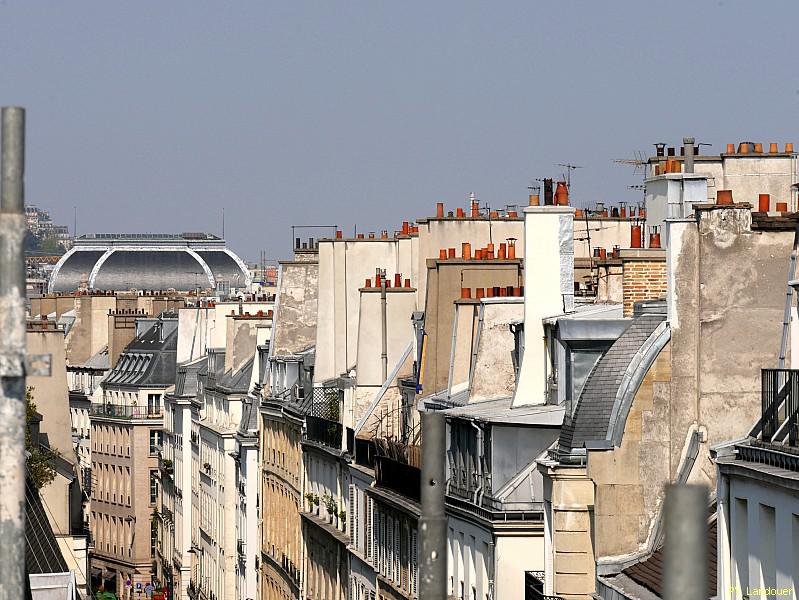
126	431
64	498
222	393
682	377
283	408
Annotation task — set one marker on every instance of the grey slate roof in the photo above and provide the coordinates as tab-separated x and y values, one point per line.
235	382
100	360
591	420
149	360
42	554
188	374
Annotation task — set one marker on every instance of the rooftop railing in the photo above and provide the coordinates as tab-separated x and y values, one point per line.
780	405
326	432
399	477
126	411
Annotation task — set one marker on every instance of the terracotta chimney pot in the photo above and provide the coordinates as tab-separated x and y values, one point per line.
724	197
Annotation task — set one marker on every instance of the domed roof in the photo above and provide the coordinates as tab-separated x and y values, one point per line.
148	262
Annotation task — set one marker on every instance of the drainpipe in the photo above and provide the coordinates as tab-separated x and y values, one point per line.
479	490
12	355
383	341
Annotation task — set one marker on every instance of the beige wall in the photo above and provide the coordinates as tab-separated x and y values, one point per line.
445	279
494	376
89	332
344	265
436	234
400	304
281	460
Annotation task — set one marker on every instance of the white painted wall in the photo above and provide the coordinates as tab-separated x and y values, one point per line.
548	290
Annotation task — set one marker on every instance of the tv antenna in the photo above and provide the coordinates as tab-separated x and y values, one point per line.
569	168
639	162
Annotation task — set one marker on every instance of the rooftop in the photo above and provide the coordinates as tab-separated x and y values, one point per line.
500	411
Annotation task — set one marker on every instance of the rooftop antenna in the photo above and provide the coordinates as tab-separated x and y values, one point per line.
75	225
569	169
223	223
639	162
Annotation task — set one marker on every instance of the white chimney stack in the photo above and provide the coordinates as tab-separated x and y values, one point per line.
548	290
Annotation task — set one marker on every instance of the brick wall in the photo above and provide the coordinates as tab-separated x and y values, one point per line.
643	280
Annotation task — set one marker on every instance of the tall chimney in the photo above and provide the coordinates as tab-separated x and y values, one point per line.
688	142
549	237
548	193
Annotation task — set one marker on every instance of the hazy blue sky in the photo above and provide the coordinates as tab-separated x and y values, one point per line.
151	116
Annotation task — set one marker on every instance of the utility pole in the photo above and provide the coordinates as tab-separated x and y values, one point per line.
433	522
12	354
686	564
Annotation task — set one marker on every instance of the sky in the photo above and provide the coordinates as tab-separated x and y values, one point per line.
154	116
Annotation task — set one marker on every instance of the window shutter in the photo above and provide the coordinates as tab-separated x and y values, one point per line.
388	555
414	563
396	563
353	523
369	529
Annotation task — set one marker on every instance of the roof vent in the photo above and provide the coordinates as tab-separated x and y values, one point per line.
649	307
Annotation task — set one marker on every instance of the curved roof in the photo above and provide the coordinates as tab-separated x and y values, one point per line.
593	417
148	264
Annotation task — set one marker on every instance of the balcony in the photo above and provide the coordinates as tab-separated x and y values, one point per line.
364	452
125	411
398	477
780	405
534	586
325	432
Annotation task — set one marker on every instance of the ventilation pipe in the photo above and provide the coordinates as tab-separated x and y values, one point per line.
688	143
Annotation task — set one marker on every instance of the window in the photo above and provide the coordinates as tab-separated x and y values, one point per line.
155	441
153	487
153	404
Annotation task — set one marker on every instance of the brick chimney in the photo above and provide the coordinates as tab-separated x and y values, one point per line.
643	276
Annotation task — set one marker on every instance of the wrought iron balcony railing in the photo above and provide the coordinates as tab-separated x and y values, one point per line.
326	432
780	405
125	411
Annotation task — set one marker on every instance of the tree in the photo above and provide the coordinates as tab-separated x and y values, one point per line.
41	459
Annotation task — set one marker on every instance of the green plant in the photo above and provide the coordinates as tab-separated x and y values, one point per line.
342	515
41	459
207	466
167	463
316	500
330	504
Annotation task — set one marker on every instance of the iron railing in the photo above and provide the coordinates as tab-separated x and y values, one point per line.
780	404
364	453
324	431
399	477
125	411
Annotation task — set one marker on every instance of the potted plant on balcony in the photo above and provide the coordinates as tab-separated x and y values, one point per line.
342	517
207	467
330	505
313	500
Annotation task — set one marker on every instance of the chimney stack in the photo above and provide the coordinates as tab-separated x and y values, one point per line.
688	143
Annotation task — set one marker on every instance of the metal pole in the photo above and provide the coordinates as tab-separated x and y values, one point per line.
686	563
12	355
433	523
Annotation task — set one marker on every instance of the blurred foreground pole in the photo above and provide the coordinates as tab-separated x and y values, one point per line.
686	562
433	523
12	356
